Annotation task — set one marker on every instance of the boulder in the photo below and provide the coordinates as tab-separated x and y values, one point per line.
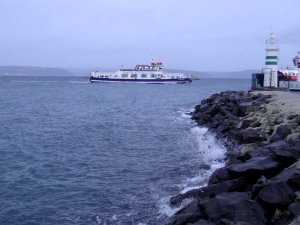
276	196
189	214
280	145
296	221
245	123
255	167
235	207
219	175
245	108
280	190
275	137
210	190
202	222
285	157
251	135
294	209
293	138
283	131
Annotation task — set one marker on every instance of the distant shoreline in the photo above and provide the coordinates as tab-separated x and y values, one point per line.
49	71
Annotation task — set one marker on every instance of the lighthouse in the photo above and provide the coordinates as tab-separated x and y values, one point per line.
271	65
296	61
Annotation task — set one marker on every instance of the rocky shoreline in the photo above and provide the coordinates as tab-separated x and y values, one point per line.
260	183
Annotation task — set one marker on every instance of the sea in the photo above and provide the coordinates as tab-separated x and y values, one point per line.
76	153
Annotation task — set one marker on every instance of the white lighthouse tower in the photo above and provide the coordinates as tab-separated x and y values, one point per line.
271	65
296	61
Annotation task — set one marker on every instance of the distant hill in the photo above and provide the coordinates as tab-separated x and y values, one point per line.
33	71
83	72
48	71
244	74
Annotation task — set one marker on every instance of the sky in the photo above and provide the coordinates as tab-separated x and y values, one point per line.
200	35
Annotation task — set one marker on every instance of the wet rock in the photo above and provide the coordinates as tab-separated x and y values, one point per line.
245	123
278	145
280	190
219	175
255	168
275	138
295	208
293	138
245	108
235	207
276	196
195	193
190	214
202	222
251	135
210	190
295	221
261	183
283	131
285	157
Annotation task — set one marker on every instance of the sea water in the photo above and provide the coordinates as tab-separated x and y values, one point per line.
72	152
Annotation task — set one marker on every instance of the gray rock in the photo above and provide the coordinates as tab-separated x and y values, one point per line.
251	135
276	196
245	108
280	190
210	190
255	168
295	208
202	222
283	130
235	207
219	175
189	214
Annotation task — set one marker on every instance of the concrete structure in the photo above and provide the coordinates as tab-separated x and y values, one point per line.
271	66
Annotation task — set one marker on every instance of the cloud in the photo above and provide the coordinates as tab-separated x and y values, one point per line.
191	34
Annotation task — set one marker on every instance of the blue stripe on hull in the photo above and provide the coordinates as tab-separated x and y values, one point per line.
149	81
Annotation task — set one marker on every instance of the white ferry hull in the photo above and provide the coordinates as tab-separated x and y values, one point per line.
141	81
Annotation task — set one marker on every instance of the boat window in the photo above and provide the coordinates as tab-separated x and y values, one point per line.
144	75
124	75
153	75
133	75
177	77
106	76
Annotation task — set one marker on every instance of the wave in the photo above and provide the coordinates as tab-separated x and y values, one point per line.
210	155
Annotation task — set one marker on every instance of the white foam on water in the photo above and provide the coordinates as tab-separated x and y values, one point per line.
166	209
210	150
210	153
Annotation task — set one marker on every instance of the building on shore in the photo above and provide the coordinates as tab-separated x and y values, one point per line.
270	76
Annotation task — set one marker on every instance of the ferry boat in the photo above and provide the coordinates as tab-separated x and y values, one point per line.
150	74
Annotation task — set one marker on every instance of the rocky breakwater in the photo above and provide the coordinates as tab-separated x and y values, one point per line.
260	183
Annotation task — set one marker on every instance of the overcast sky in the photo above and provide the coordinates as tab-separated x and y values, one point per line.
219	35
